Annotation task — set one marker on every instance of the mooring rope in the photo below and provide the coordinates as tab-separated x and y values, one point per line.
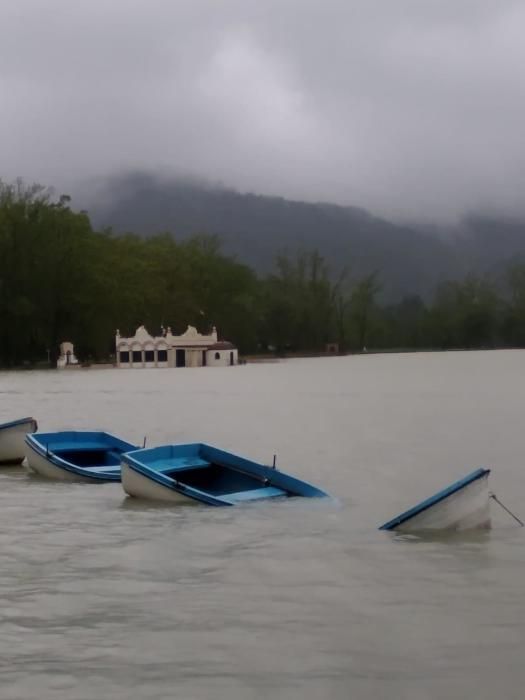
493	495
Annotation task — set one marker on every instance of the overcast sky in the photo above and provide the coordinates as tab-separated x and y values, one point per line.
406	107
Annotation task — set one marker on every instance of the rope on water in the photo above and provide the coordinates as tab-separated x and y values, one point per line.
493	495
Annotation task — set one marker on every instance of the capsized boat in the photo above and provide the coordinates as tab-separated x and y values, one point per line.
199	472
76	455
12	436
463	505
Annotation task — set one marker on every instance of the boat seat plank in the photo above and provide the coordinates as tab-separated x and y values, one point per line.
58	447
103	469
253	494
179	463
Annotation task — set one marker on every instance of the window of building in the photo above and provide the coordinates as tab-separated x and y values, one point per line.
217	355
124	356
136	355
149	356
162	355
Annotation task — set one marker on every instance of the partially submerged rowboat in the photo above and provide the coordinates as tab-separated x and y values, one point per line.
12	436
199	472
76	455
463	505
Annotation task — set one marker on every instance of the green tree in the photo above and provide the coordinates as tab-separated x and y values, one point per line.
405	324
298	310
362	306
465	314
514	318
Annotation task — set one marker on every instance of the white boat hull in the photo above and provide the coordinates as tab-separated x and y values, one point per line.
12	446
466	509
43	467
139	486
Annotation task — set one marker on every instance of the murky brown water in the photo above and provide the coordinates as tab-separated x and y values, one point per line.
103	597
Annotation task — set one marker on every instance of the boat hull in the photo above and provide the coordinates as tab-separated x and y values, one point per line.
43	467
12	438
465	508
85	456
140	486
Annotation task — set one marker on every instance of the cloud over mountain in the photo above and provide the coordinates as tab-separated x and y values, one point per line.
410	109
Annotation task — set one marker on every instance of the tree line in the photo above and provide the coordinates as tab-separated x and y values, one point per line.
62	280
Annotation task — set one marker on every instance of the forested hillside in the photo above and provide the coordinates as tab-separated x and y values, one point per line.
255	229
409	260
61	279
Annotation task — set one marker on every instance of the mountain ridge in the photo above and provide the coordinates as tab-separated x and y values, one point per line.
256	228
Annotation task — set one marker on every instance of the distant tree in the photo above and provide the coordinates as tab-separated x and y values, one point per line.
298	304
43	271
405	325
465	314
514	319
362	305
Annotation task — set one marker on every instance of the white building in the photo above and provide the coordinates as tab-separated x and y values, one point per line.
191	349
67	356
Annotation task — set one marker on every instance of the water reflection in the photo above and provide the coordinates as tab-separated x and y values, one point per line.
446	537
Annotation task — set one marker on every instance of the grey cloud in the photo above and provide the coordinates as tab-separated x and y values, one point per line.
409	108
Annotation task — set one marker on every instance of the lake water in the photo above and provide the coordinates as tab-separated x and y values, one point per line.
107	597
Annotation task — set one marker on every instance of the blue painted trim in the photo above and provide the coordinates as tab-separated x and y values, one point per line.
436	498
20	421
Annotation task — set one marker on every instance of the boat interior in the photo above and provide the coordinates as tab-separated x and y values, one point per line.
219	480
93	457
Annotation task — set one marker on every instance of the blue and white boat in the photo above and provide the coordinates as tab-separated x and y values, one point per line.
464	505
76	455
12	436
198	472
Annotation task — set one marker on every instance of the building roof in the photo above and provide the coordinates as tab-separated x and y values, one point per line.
222	345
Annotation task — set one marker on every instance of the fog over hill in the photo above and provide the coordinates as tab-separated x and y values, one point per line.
255	229
412	111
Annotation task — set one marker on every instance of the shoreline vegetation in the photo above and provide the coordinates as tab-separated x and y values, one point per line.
62	280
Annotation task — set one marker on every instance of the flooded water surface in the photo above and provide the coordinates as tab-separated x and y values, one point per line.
102	596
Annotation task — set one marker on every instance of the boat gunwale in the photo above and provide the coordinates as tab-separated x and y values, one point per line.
435	499
20	421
